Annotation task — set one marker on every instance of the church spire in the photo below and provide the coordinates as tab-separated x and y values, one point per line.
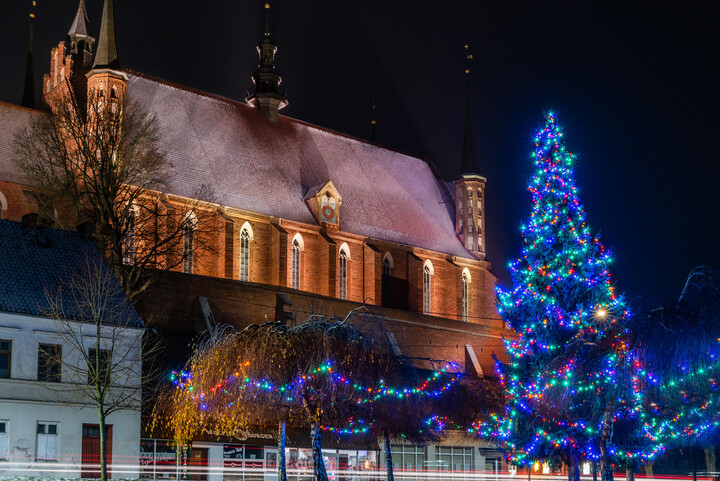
106	56
469	186
469	159
81	41
28	96
267	95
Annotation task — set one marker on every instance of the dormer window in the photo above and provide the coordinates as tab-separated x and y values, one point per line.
324	202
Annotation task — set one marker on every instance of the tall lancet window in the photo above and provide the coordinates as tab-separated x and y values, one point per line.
342	272
427	287
465	295
244	255
385	287
297	247
189	228
129	242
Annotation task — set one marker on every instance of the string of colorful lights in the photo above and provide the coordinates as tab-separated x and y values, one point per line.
562	304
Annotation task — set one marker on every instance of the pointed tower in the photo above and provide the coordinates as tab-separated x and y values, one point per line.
470	186
80	39
106	80
28	96
70	61
267	95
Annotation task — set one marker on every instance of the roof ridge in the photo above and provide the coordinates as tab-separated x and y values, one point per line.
21	107
290	119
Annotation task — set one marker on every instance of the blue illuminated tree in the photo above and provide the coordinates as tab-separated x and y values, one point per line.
564	388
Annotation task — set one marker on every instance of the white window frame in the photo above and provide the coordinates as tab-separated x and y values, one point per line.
465	454
46	441
245	238
4	449
295	266
465	294
428	273
343	258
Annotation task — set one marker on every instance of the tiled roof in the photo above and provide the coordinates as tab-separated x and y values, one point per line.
267	168
254	165
36	261
12	119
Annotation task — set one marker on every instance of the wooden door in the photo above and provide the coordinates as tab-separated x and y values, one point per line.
91	450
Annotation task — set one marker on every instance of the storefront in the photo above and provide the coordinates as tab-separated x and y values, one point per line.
253	456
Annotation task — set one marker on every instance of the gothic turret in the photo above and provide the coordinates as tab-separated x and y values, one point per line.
267	95
106	55
28	96
106	80
80	39
470	186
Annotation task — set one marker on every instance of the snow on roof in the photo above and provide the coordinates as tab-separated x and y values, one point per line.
12	119
254	165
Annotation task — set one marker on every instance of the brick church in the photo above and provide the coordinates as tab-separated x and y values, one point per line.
305	220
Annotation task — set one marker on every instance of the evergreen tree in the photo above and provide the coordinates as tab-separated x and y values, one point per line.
564	390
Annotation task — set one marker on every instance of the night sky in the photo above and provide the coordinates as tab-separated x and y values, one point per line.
635	85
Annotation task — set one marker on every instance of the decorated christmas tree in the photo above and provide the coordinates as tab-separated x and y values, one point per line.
564	390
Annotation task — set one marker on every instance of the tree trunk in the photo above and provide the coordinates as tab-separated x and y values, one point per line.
606	470
630	470
103	445
529	469
649	469
710	460
282	470
573	466
319	472
694	467
388	458
594	470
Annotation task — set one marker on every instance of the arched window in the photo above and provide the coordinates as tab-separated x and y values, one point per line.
189	228
343	271
246	236
386	281
3	206
297	247
465	294
129	241
428	272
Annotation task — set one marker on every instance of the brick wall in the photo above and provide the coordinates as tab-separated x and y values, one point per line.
172	304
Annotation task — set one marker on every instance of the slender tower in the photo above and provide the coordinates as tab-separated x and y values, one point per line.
105	79
267	95
469	185
28	96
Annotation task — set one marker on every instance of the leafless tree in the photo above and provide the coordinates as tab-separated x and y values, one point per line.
100	163
104	342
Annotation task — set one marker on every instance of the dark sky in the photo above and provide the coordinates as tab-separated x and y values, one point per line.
634	83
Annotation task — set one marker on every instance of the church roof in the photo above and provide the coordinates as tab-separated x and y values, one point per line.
258	166
12	119
81	23
254	165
